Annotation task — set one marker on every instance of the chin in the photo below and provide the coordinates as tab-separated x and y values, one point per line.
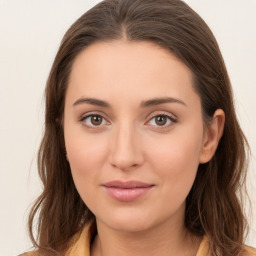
130	226
129	221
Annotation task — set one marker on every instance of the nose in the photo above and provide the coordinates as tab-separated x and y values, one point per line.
126	151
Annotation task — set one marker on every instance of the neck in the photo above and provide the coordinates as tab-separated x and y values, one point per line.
165	239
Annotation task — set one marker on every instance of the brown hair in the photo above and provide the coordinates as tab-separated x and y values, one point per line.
212	206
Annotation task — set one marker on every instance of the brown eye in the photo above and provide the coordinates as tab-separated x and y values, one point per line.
161	120
96	120
92	121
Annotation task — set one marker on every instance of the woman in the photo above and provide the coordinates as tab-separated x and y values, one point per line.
136	158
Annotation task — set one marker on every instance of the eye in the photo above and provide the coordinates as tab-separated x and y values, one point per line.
161	120
93	120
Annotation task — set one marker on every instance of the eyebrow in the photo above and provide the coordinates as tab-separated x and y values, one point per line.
92	101
144	104
158	101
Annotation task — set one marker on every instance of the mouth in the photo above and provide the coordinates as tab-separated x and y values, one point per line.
127	191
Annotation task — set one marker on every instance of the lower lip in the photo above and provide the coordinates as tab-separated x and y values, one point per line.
127	194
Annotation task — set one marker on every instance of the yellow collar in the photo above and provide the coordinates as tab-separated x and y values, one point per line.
80	243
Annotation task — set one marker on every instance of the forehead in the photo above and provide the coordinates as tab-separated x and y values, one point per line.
129	70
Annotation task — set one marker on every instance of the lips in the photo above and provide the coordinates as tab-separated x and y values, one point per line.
127	191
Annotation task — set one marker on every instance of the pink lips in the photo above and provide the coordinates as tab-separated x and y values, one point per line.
127	191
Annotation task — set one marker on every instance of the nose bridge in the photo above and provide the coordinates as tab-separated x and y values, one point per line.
126	150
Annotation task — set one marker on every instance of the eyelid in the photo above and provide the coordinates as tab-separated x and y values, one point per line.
163	113
171	117
89	114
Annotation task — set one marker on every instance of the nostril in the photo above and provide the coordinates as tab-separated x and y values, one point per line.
124	165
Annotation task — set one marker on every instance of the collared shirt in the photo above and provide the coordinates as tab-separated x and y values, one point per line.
80	245
82	241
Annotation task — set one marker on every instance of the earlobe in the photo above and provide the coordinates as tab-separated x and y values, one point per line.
66	156
212	136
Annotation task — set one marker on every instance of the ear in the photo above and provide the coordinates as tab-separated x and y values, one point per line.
67	156
212	134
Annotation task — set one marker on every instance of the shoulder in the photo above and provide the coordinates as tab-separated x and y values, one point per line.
32	253
204	249
249	251
37	253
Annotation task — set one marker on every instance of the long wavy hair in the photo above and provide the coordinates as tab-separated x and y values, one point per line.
213	206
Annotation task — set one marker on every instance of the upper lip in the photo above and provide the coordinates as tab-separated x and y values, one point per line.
127	184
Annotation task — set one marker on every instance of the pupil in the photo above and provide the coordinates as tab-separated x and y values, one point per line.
161	120
96	120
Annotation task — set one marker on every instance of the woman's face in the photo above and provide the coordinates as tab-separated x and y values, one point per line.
133	133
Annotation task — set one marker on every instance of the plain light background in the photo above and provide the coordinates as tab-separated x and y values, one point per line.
30	33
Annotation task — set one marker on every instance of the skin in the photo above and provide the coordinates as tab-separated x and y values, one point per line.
129	143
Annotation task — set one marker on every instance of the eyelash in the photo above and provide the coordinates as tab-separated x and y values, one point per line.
169	117
82	120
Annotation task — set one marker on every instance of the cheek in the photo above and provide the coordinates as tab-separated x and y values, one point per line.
177	149
86	155
176	159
